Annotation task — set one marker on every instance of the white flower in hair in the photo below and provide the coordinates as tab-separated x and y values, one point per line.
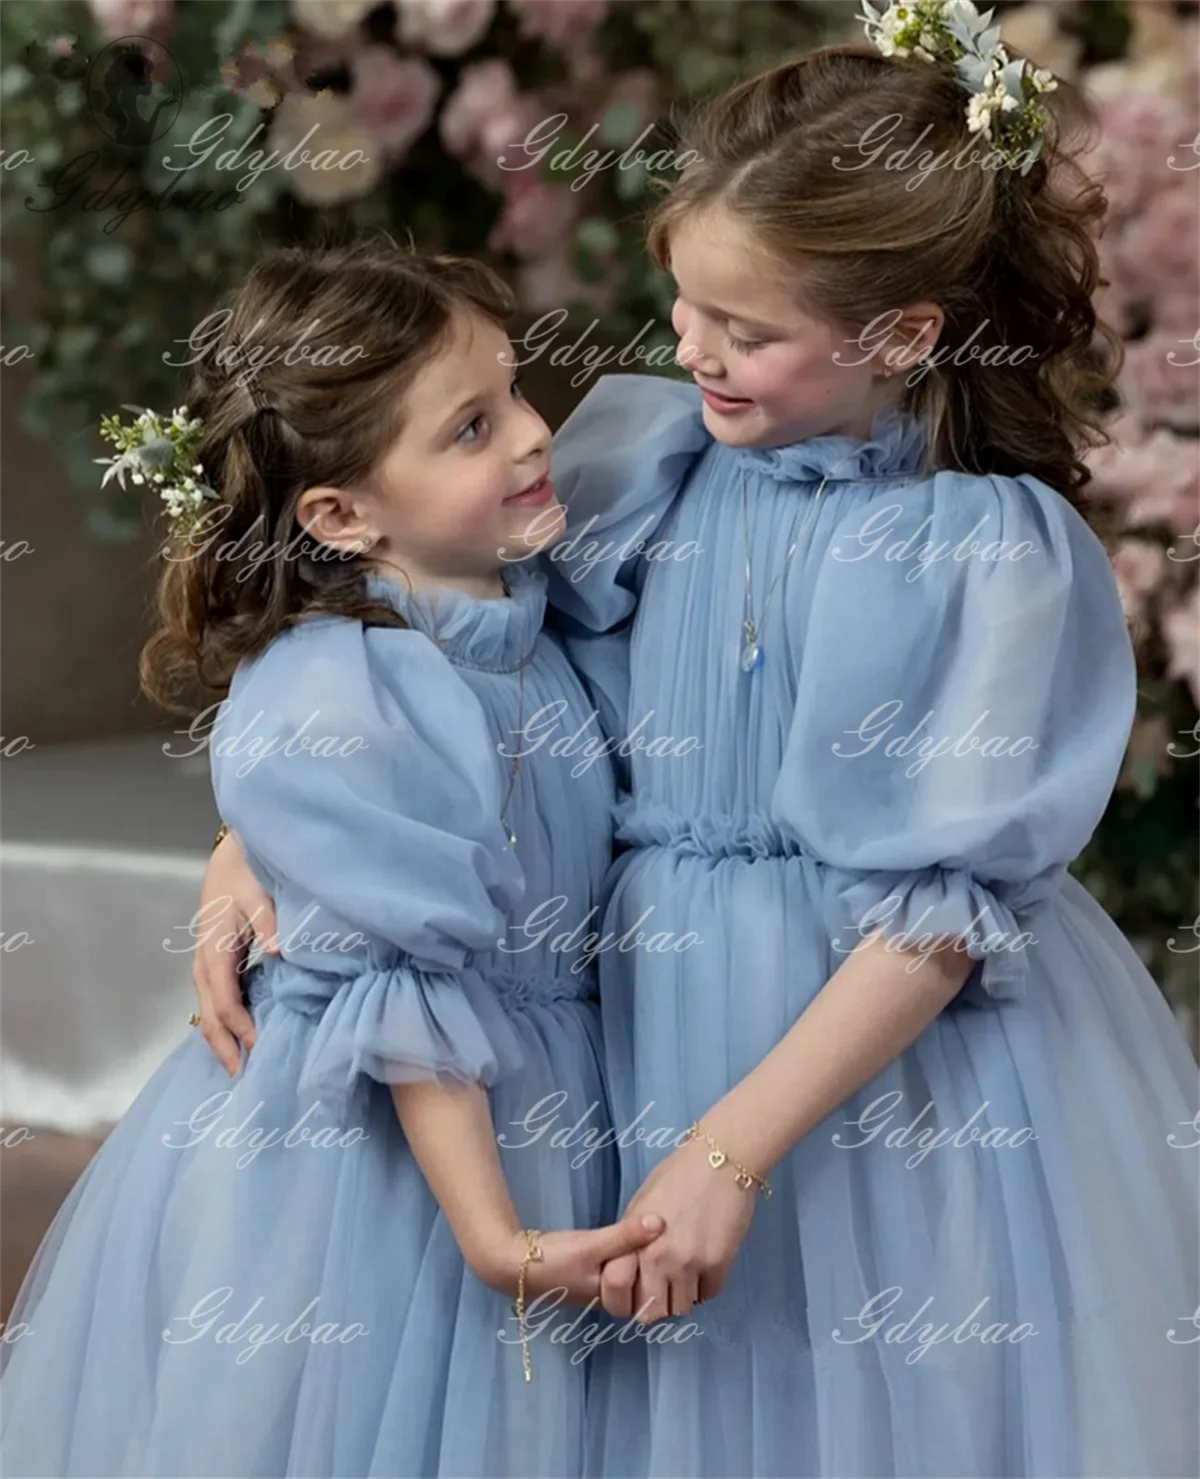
163	453
1000	88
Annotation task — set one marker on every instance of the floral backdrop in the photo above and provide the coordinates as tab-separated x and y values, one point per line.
428	102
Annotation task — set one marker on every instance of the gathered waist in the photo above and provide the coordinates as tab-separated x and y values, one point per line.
713	834
309	992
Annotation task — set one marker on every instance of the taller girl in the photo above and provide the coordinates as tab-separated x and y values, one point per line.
904	656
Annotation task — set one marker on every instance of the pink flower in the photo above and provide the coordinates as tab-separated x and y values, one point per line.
1160	244
485	90
1160	380
1138	566
1181	628
564	25
394	97
1155	475
537	219
443	27
550	283
134	17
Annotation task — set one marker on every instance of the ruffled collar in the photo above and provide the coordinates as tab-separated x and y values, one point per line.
895	448
493	635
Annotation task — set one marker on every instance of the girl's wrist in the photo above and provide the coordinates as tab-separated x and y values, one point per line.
493	1254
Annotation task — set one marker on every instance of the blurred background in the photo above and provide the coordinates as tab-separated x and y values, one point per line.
118	238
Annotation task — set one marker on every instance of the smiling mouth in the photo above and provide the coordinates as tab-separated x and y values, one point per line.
537	493
715	398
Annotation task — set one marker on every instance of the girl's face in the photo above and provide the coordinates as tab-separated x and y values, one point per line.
465	487
765	367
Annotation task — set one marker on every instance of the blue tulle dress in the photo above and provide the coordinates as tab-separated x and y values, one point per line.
291	1301
985	1262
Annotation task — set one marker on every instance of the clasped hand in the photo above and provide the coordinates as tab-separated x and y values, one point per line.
707	1216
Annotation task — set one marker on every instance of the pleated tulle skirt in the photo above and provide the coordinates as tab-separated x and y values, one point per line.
239	1286
986	1263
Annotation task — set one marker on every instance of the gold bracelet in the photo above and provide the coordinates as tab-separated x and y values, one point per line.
221	836
743	1175
533	1254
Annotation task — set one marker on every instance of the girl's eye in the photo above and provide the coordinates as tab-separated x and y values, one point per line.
743	346
475	426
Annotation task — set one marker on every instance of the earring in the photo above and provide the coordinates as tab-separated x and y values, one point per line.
368	542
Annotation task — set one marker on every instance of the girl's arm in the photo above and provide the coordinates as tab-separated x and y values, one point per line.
876	1004
873	1007
453	1140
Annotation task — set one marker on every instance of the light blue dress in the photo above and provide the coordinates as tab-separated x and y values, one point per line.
985	1262
265	1308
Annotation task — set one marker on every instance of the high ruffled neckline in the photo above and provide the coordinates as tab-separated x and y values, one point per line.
492	634
895	448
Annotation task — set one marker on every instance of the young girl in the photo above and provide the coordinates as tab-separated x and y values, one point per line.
305	1273
903	651
876	606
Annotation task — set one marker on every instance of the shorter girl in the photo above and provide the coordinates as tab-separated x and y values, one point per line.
257	1279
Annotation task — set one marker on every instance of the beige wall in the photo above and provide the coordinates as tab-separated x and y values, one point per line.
72	613
75	612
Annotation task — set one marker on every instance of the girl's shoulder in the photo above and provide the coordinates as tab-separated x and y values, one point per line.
332	679
960	526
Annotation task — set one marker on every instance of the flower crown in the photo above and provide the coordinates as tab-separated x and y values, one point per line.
162	454
1004	104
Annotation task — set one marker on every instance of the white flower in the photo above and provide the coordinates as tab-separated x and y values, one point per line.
339	137
330	18
979	115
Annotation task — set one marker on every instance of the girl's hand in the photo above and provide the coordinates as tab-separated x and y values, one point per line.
571	1261
234	910
707	1215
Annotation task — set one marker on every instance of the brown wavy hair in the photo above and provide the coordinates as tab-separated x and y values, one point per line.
781	153
249	572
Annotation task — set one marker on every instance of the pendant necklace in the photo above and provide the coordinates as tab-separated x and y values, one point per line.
752	652
515	767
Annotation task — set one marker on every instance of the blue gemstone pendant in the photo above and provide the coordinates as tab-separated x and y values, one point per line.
751	655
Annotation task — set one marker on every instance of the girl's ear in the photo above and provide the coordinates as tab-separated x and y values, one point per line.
914	334
333	518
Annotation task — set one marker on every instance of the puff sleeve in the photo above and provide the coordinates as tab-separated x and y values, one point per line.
960	720
358	771
619	461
